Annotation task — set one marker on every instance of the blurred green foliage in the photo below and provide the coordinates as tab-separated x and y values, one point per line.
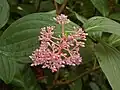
20	21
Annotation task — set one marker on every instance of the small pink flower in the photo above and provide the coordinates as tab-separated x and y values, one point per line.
46	33
47	58
73	60
62	19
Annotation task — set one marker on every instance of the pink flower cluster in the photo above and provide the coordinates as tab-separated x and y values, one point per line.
55	52
62	19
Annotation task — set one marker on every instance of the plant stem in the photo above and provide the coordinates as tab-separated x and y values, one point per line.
56	6
85	73
59	11
62	7
56	76
71	81
63	32
95	62
38	7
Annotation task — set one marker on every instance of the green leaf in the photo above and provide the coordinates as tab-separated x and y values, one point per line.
115	16
95	35
114	40
59	1
4	12
7	68
77	85
102	6
26	9
26	80
103	24
85	8
108	58
47	3
50	76
81	18
87	52
116	1
20	39
1	33
12	2
94	86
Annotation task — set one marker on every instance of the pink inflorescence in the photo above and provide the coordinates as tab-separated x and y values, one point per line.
62	19
54	52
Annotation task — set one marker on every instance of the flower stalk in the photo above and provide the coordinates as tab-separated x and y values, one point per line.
63	32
